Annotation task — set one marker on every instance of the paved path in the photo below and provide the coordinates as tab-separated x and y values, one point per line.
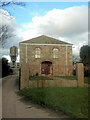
13	106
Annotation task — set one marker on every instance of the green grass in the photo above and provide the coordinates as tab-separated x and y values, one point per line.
86	79
72	101
67	77
39	78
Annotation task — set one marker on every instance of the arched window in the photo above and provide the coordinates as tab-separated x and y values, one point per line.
37	53
55	53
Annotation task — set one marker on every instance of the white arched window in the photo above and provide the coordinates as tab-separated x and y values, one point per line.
37	53
55	53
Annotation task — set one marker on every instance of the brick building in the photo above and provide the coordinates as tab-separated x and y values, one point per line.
45	56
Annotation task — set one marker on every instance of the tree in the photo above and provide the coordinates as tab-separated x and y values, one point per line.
5	67
6	30
3	4
5	33
85	54
0	68
75	59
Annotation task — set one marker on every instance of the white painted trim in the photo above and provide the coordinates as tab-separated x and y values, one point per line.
46	44
66	55
26	53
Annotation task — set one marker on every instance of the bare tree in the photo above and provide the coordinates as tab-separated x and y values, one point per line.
5	34
3	4
7	31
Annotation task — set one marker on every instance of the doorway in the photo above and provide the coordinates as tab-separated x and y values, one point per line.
46	67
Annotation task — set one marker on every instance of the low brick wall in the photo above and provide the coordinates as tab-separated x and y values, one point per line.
53	83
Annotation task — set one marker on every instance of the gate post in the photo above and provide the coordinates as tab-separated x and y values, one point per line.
80	74
24	81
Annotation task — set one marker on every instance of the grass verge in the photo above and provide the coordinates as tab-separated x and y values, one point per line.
72	101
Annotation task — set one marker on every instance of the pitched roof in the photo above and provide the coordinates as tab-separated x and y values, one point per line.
45	40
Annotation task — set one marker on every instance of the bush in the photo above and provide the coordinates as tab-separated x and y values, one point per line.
5	67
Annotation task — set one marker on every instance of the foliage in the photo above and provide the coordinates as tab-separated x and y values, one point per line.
72	101
5	33
85	54
75	59
39	78
3	4
6	30
5	67
0	68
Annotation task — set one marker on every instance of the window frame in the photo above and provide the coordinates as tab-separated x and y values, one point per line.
55	53
37	52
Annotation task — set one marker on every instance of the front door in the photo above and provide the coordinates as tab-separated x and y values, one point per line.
45	67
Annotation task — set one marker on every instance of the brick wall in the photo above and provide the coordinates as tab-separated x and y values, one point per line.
61	65
53	83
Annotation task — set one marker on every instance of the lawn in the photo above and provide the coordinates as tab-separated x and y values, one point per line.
39	78
72	101
86	79
63	77
67	77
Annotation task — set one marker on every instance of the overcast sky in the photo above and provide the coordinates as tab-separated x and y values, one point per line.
64	21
